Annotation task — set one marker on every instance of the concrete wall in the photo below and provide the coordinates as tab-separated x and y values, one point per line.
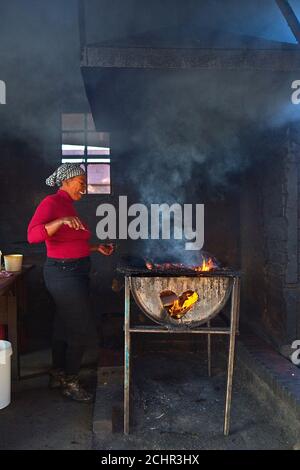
269	241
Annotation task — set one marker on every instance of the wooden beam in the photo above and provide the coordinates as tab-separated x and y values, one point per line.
290	17
276	60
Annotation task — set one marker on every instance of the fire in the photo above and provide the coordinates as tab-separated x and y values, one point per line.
207	265
178	306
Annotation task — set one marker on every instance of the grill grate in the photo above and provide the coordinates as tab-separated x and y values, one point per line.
175	272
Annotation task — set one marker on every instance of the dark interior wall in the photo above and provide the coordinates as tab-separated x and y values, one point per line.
269	240
263	241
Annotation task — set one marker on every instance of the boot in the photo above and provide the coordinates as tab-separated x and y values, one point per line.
56	378
72	389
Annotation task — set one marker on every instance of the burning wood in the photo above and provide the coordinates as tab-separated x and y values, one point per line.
208	264
178	306
164	266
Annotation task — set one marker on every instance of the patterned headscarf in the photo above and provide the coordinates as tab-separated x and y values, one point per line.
64	172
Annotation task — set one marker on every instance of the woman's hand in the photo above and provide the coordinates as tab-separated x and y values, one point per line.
105	250
72	222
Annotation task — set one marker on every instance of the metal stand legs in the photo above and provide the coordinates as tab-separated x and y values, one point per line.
233	330
127	358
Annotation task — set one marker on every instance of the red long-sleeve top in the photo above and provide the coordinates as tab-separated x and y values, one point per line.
66	242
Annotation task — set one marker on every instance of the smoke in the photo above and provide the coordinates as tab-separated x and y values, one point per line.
39	61
196	133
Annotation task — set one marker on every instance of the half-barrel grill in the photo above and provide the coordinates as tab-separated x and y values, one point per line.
181	299
213	289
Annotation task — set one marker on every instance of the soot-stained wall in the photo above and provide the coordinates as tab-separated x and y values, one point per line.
269	240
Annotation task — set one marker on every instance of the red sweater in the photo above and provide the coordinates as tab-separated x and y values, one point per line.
66	242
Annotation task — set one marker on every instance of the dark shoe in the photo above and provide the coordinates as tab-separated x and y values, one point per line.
56	378
73	390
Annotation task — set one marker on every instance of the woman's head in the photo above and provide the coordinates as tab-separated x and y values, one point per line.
75	186
71	178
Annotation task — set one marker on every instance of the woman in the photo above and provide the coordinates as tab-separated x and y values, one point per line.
66	274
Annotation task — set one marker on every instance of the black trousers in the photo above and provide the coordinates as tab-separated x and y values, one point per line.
74	325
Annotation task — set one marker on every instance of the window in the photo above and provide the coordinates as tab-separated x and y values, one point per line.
81	143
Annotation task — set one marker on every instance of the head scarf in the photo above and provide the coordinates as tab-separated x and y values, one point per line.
64	172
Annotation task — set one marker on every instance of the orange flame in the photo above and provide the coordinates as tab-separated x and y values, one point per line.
207	265
183	304
178	306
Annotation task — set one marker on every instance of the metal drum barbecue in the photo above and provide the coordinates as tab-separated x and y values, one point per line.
213	293
181	300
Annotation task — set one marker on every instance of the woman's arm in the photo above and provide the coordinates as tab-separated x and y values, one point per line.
105	250
72	222
36	232
44	224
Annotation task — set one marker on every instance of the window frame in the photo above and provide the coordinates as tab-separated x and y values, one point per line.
86	159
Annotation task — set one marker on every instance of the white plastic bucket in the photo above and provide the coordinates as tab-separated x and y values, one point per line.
5	373
13	262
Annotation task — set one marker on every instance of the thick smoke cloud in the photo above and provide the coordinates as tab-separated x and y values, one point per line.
198	132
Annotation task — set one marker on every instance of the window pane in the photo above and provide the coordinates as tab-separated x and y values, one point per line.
98	150
73	122
72	150
73	138
98	160
71	159
98	189
98	139
98	178
99	173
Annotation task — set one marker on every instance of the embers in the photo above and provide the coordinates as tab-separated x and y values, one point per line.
206	263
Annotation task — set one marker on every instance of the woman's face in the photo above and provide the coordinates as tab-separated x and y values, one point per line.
75	187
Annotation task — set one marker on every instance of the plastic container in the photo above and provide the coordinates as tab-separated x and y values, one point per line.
13	263
5	373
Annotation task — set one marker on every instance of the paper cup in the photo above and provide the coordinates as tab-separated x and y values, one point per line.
13	263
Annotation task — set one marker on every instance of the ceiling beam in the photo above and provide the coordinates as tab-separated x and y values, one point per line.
290	17
277	60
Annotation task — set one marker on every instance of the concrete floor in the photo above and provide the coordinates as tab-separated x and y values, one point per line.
176	406
39	418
